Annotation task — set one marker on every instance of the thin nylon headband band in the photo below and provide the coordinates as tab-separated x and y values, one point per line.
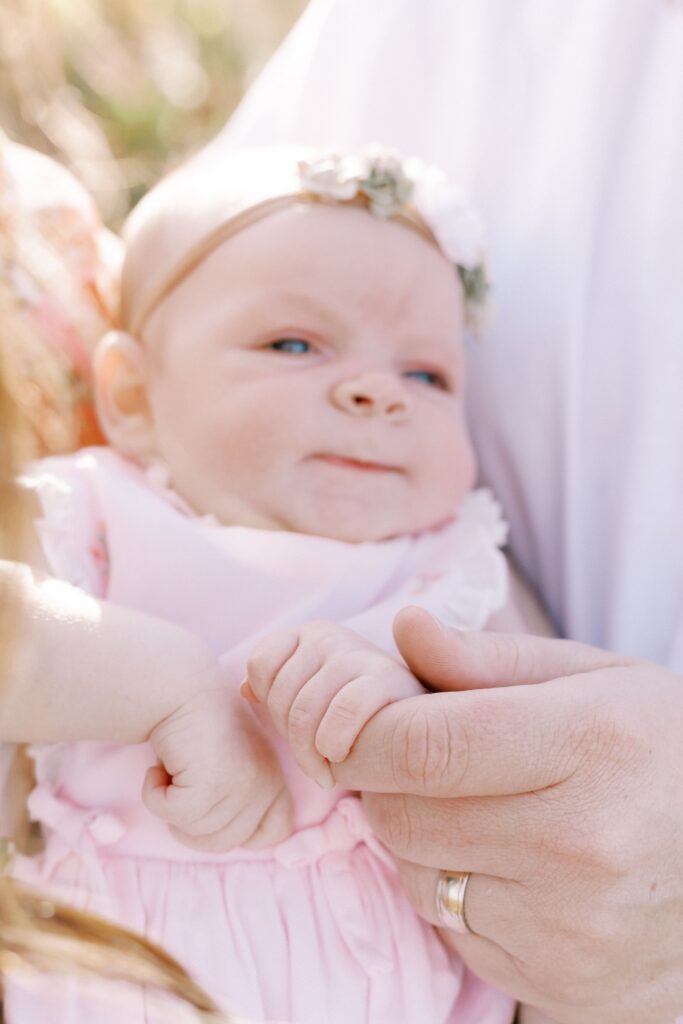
409	217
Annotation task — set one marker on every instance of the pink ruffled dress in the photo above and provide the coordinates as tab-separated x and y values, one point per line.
317	929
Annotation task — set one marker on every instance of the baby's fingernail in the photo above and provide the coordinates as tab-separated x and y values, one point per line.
247	692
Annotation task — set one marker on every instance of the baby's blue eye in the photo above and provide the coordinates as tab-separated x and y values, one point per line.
434	380
294	345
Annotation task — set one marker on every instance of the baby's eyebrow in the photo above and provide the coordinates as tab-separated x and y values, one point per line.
271	308
424	347
303	302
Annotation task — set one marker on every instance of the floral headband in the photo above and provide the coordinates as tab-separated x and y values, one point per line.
391	186
380	180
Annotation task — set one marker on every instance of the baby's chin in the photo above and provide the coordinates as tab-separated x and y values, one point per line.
364	528
348	522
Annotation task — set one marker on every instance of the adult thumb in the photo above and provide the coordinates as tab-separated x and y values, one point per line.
450	659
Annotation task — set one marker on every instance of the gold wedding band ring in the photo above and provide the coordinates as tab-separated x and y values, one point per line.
450	900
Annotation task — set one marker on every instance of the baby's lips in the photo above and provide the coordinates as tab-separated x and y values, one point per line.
247	692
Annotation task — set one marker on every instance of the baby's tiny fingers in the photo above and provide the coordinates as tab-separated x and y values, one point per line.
287	684
305	715
266	660
353	707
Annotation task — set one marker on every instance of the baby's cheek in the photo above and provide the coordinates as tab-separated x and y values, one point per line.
451	475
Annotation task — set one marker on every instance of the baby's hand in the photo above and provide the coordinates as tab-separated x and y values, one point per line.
321	685
219	784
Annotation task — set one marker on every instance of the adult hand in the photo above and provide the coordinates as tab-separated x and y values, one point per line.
564	800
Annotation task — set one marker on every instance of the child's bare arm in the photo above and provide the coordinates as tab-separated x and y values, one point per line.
81	668
85	669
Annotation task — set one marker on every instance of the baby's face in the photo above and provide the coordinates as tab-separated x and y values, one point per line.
308	376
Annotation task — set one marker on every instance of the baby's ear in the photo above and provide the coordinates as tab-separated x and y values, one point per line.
120	371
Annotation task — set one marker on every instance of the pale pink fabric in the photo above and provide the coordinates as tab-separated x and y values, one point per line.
316	929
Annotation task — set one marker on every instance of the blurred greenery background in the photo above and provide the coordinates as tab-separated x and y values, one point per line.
121	90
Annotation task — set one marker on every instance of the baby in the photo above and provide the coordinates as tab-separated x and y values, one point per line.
289	466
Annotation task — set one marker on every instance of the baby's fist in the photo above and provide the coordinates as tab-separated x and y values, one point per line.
219	784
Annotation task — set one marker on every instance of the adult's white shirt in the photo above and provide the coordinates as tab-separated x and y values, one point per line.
564	121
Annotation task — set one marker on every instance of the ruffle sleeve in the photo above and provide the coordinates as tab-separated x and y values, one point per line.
478	577
70	529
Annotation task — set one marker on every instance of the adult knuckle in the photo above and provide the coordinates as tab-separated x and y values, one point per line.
585	919
593	849
617	737
610	848
392	822
600	930
430	751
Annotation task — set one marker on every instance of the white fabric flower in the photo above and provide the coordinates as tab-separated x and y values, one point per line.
391	184
330	176
460	233
457	228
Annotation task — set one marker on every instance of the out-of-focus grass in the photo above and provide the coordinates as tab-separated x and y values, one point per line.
121	90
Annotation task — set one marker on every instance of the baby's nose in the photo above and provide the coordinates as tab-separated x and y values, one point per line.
373	394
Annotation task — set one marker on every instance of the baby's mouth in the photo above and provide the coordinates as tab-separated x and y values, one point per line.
363	465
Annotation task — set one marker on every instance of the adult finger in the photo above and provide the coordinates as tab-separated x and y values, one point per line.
448	659
489	742
491	906
490	902
491	835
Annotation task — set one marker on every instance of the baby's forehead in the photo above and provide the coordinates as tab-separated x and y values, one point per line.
328	263
187	206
